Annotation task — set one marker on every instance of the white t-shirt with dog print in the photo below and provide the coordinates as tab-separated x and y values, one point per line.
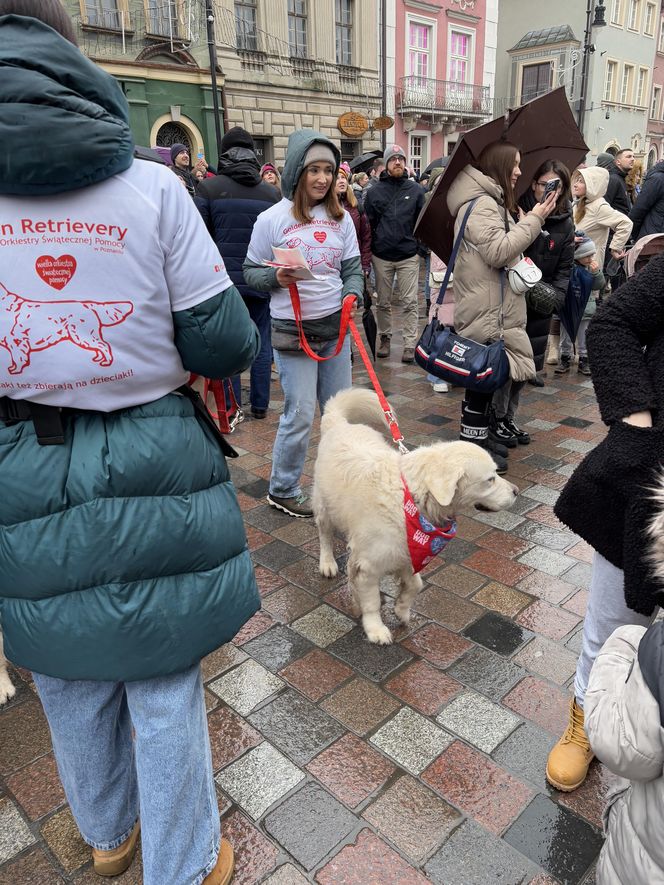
88	282
325	243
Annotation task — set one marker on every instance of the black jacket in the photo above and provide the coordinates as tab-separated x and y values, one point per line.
648	211
230	203
616	193
392	206
608	499
553	253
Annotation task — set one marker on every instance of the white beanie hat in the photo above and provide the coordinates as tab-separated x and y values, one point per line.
319	153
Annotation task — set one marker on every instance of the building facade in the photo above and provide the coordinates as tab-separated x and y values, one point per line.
655	134
289	64
442	61
543	46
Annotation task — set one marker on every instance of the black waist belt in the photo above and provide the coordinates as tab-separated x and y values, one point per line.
47	419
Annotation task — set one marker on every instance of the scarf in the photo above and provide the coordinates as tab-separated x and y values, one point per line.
424	540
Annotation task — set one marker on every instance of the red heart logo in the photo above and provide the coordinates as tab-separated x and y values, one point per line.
320	236
56	272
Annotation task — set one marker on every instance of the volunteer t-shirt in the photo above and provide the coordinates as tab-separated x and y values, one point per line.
324	242
88	282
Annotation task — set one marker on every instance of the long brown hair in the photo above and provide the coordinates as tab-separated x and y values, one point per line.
581	203
562	172
302	209
50	12
349	196
498	160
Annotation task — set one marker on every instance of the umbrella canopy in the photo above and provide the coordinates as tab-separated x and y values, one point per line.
441	162
369	320
542	129
364	161
576	300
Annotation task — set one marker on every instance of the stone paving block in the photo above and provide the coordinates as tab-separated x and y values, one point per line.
555	839
277	554
24	736
64	840
471	856
538	424
254	854
351	770
478	721
316	674
360	705
277	647
221	660
576	445
576	422
267	580
376	662
412	817
541	462
37	787
543	494
582	551
286	875
267	518
589	800
486	672
545	536
230	736
324	625
525	753
309	824
545	587
446	608
423	687
503	519
14	832
504	543
296	726
459	580
478	786
548	620
437	644
498	634
246	686
540	702
368	861
259	779
505	600
305	573
575	641
547	561
30	869
289	602
411	740
579	575
545	515
548	659
458	550
500	568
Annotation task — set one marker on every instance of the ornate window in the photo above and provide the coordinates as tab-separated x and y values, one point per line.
245	25
459	57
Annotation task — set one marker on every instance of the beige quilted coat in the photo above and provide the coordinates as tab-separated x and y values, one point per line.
599	217
487	248
623	723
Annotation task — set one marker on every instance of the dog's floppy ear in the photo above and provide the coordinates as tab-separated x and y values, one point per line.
443	485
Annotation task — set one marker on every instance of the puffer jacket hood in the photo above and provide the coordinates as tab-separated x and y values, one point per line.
597	181
241	165
299	143
44	81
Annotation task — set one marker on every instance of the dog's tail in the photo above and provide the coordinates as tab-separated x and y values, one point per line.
355	406
110	313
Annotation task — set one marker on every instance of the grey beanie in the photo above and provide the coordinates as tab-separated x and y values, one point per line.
585	248
393	150
319	153
606	160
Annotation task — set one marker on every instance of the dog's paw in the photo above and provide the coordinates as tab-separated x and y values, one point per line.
379	635
403	613
7	690
328	567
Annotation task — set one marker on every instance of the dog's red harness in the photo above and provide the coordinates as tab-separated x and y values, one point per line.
424	540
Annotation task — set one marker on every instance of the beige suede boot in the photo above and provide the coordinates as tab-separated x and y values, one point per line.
117	860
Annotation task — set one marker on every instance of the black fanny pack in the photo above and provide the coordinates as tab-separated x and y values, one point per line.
318	332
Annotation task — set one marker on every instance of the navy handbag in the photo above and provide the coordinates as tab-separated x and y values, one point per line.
446	355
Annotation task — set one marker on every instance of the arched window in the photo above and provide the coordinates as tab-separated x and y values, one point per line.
652	157
173	133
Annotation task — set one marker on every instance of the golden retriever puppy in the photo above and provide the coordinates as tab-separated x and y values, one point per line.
359	492
7	690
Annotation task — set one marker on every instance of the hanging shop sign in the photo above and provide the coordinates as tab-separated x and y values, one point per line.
382	123
352	124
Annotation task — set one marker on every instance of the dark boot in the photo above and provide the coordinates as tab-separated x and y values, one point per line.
475	429
522	436
499	433
384	347
584	365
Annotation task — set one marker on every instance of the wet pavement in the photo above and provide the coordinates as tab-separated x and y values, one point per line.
338	762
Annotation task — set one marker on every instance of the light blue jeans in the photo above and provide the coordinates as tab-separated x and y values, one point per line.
303	381
165	772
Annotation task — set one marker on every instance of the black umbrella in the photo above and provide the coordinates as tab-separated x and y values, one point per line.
542	129
441	162
369	320
364	161
576	300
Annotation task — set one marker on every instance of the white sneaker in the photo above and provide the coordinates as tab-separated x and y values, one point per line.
440	387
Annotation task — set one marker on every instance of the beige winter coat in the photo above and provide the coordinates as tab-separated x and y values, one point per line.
599	217
623	723
487	248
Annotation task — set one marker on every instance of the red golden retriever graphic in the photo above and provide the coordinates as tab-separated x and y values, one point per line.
27	326
316	255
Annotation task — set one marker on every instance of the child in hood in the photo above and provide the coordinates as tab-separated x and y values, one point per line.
587	277
595	215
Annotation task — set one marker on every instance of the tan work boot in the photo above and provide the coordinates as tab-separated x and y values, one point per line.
568	762
117	860
384	347
224	868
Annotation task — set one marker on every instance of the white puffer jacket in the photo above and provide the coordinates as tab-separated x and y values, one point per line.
623	721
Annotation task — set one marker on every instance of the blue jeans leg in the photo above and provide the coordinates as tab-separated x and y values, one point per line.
303	381
168	766
261	369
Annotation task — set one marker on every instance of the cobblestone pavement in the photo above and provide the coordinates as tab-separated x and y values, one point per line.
338	762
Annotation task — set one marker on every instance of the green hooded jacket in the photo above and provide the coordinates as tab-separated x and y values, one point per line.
123	554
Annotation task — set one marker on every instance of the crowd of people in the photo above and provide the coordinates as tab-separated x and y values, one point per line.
113	642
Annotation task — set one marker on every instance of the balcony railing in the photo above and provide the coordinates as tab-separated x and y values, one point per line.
424	96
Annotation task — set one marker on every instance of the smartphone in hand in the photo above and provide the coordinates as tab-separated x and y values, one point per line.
551	186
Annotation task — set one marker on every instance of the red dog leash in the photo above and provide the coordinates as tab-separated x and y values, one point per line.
348	323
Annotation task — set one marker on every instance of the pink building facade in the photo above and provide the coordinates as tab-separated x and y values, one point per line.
444	52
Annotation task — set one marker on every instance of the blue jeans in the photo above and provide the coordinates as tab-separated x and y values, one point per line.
303	381
166	771
261	369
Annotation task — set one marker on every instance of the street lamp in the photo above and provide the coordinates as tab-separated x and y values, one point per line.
598	21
